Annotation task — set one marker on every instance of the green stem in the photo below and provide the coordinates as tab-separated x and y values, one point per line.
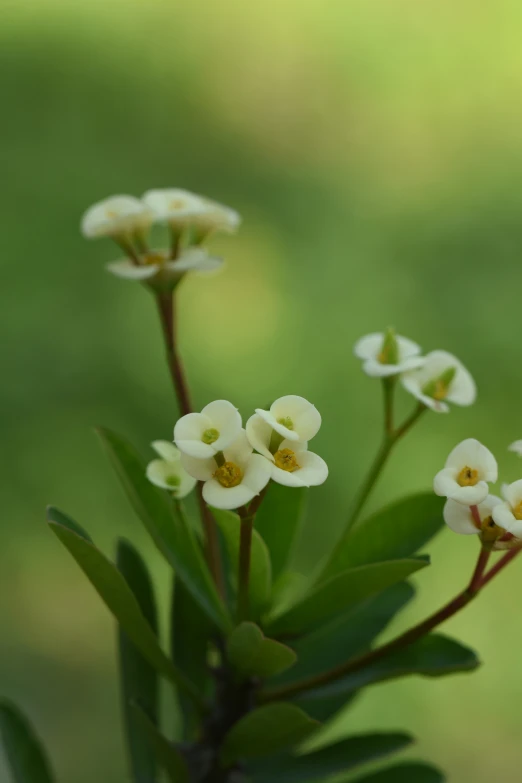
245	550
477	582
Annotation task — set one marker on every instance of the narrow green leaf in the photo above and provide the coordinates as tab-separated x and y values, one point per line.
117	596
405	773
260	566
266	730
253	655
397	531
139	681
279	520
347	635
166	754
167	525
433	656
342	592
342	757
190	633
24	751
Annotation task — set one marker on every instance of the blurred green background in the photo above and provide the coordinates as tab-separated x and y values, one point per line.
374	149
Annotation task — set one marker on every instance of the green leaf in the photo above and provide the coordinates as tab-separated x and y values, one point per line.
167	526
166	754
347	635
344	756
260	566
253	655
190	633
342	592
405	773
24	751
266	730
278	522
433	656
139	682
117	596
397	531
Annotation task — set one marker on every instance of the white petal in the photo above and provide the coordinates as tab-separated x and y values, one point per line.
257	473
473	454
305	417
226	419
166	450
201	469
313	471
505	518
188	433
218	217
171	476
471	496
259	432
114	216
444	482
369	346
240	450
407	348
227	497
516	446
513	493
412	384
459	518
376	369
195	259
275	425
488	505
173	203
126	269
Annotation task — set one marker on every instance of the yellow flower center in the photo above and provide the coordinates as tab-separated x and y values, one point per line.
490	530
286	460
517	510
468	477
111	213
229	475
287	422
176	203
210	436
153	258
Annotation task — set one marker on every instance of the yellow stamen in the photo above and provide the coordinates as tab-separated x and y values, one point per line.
517	510
210	436
176	203
229	475
153	258
287	422
286	460
468	477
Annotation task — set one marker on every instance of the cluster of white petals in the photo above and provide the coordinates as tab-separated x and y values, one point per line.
461	519
235	464
469	469
168	471
191	217
508	514
435	379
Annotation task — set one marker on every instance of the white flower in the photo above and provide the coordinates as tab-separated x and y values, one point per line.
193	259
460	517
173	205
292	417
168	472
217	217
203	435
240	476
516	446
468	469
116	216
509	514
385	354
291	463
442	378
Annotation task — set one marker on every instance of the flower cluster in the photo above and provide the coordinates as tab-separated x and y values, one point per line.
434	379
190	218
236	463
469	508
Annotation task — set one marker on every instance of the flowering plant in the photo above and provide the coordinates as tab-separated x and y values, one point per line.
261	657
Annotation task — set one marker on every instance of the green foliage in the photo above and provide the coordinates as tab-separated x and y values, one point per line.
266	730
139	681
166	525
260	587
397	531
253	655
278	522
404	773
117	596
342	757
165	753
342	592
26	756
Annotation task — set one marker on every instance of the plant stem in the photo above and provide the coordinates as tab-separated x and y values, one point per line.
167	312
389	440
245	551
477	582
